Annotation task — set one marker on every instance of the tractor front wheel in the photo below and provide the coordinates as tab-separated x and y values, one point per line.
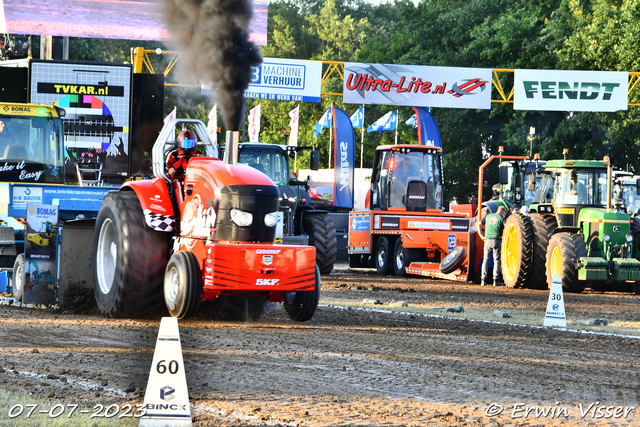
517	251
384	256
564	251
182	285
18	278
129	258
300	306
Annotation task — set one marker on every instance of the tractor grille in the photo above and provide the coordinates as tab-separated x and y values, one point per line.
255	199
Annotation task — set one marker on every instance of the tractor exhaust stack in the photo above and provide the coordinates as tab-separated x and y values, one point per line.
232	141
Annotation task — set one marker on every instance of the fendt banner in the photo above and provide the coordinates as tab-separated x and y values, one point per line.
417	86
556	90
286	80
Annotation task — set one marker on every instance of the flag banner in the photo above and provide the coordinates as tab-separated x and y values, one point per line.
428	131
412	122
357	119
387	122
254	124
416	85
286	80
212	124
172	115
325	122
563	90
293	124
344	159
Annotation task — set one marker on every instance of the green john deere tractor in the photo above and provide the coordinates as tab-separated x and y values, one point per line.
580	236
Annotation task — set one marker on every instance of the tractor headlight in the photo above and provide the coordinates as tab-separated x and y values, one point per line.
241	218
629	238
271	219
607	237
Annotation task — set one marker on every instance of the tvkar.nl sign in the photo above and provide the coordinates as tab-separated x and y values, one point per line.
553	90
417	86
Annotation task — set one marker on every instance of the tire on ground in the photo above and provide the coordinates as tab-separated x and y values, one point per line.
517	251
129	259
384	255
18	278
453	260
562	255
322	233
543	226
403	257
182	285
300	306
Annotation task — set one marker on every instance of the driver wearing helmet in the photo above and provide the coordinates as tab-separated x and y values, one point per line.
178	160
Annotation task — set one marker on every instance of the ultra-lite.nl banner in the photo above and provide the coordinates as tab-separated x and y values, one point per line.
414	85
564	90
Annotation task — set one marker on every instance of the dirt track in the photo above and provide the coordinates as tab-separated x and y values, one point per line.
347	366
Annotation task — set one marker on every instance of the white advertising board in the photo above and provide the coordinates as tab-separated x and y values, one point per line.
558	90
286	80
417	86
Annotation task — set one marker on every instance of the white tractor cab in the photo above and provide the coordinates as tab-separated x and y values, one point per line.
626	192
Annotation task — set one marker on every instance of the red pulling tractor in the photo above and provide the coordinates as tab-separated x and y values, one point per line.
207	238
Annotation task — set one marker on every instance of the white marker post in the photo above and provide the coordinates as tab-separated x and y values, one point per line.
555	315
167	398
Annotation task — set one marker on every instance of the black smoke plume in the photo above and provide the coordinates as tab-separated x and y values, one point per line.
214	35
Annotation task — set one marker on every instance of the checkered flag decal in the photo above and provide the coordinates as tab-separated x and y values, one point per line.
158	221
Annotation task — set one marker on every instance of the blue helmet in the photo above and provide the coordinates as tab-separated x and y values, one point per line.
187	141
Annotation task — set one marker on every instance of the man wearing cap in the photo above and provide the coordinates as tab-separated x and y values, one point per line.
492	237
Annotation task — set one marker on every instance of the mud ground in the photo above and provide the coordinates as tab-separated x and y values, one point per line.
356	367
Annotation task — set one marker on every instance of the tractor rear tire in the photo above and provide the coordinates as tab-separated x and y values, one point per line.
453	260
322	233
517	251
543	226
182	285
564	251
129	259
18	278
384	256
301	306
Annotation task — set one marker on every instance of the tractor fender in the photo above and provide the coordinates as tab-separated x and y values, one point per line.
156	203
572	230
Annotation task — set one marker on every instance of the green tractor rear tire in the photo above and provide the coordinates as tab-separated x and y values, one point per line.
517	251
543	226
322	234
564	251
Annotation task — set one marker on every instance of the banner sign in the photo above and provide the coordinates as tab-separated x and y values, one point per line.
344	159
286	80
557	90
415	85
428	130
40	254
